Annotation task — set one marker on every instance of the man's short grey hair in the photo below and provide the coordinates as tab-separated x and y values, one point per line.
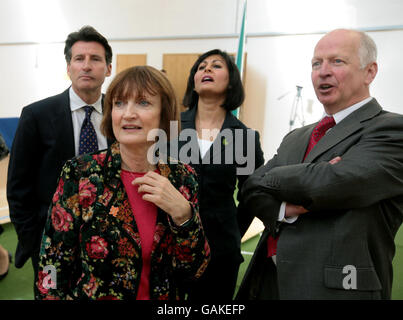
367	50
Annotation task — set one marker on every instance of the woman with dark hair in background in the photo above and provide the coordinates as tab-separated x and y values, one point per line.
214	89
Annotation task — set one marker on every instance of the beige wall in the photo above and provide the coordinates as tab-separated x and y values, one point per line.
280	41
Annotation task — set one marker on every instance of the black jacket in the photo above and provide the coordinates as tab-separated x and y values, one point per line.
218	179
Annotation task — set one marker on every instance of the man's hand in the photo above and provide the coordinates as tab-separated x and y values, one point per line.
292	210
335	160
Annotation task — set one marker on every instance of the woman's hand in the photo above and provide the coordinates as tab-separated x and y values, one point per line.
159	190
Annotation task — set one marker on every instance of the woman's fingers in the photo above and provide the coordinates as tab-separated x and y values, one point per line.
146	188
160	191
150	178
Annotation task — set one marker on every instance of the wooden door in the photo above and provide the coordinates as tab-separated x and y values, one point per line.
177	68
124	61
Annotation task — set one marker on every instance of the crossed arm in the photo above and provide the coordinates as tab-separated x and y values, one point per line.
292	210
369	171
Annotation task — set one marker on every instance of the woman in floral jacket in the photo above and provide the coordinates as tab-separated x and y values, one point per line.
120	227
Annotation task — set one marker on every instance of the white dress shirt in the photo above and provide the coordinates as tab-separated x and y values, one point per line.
204	146
78	115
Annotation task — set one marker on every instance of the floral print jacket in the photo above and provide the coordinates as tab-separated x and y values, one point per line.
91	241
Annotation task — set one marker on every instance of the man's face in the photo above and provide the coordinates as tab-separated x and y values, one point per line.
88	68
337	76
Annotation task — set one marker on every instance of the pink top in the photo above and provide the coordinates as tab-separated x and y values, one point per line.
145	214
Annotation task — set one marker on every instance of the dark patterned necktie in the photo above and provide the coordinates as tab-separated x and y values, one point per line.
318	132
88	136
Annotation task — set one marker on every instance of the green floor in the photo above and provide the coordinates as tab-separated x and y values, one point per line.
18	285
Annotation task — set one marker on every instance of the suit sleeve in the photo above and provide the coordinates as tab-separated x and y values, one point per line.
244	215
257	202
369	172
22	170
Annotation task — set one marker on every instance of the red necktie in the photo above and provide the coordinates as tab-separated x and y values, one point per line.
318	132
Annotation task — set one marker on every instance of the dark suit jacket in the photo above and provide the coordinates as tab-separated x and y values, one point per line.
44	140
355	209
217	181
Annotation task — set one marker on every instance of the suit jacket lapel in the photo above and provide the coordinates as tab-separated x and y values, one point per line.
63	126
188	118
219	146
188	121
217	149
344	129
299	145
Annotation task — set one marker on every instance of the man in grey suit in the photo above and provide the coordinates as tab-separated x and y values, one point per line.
331	198
48	134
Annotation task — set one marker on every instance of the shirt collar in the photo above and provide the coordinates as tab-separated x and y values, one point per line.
77	103
346	112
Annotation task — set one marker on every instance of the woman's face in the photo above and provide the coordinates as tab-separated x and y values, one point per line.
132	120
212	77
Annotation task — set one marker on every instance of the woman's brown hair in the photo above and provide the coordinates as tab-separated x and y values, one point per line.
134	82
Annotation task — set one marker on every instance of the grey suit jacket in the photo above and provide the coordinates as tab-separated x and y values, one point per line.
355	209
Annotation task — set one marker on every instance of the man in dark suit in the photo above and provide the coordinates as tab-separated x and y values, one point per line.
331	198
48	134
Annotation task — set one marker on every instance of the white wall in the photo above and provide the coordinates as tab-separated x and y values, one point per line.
52	20
280	57
280	42
33	33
